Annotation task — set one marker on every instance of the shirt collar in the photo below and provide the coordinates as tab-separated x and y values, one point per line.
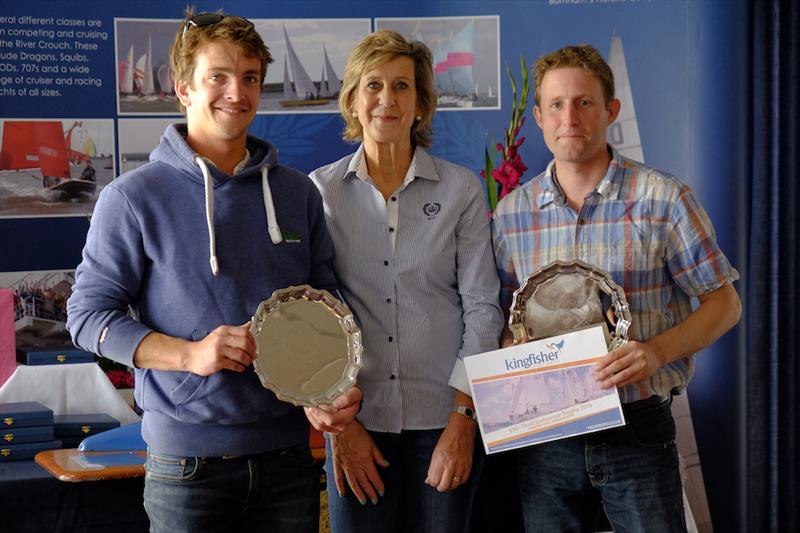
239	166
608	188
422	166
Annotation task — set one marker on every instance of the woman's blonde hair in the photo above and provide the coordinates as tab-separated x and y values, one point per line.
374	50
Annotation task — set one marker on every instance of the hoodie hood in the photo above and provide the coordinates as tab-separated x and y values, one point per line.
263	156
174	150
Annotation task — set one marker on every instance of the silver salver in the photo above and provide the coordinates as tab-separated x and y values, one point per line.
308	344
565	296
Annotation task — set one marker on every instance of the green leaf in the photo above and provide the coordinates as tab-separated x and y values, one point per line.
491	184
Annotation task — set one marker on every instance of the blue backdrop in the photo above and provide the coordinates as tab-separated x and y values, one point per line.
689	72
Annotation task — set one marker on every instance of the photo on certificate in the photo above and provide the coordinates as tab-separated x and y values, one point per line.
542	390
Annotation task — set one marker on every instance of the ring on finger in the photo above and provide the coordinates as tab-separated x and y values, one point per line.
457	479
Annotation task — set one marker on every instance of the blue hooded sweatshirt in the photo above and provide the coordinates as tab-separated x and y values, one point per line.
187	248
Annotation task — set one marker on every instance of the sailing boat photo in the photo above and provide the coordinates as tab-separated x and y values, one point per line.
302	92
54	166
465	51
309	58
144	80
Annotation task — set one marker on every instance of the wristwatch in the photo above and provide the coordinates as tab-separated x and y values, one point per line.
469	412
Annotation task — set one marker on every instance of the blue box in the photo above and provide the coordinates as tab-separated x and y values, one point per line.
82	425
70	442
52	355
24	414
18	452
22	435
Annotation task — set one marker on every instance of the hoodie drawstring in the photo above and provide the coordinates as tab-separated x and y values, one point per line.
212	240
269	207
272	223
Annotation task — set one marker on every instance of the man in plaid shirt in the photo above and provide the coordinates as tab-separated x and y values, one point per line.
649	232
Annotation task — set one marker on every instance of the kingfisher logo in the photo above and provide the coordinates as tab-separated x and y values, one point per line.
553	349
555	346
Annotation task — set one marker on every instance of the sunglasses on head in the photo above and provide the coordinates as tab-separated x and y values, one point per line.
206	19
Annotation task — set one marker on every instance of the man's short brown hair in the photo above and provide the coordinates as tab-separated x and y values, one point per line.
190	38
582	56
374	50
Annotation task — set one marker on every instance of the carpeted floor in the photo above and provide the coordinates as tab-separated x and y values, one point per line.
324	526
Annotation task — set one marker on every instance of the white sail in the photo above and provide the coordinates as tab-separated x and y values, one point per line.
303	85
81	141
138	75
334	84
126	83
323	84
288	91
164	76
623	134
148	87
458	60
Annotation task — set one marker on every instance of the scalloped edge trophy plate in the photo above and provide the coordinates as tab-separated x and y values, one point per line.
308	345
522	323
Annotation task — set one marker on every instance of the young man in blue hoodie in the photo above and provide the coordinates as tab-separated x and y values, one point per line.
191	243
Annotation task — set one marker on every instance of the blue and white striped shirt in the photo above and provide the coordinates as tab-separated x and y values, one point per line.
423	304
645	228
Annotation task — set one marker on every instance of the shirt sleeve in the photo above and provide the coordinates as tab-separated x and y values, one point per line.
107	282
504	262
695	260
322	273
477	282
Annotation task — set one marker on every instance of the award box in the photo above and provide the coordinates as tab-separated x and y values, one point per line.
17	435
82	426
52	355
70	442
24	414
17	452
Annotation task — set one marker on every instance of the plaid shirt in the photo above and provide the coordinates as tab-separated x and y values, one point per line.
645	228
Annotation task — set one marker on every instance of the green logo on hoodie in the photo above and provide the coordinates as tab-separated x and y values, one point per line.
290	236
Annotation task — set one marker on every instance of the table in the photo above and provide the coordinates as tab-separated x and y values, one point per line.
33	501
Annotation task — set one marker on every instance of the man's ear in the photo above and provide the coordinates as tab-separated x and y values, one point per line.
182	92
614	107
537	115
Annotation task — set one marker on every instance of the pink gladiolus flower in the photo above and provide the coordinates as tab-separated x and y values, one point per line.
509	173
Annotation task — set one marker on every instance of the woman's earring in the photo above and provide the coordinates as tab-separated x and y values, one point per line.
418	118
355	114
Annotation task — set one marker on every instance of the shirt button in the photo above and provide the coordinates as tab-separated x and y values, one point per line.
391	339
391	230
388	300
394	198
581	221
386	263
391	377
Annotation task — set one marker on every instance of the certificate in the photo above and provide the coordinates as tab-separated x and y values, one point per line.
542	390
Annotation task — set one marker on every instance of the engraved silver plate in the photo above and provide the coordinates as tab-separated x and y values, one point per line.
308	344
568	295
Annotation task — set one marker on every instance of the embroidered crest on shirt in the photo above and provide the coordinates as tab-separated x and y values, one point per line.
431	209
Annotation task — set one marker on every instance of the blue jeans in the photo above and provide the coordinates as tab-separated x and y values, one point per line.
630	472
277	491
408	504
